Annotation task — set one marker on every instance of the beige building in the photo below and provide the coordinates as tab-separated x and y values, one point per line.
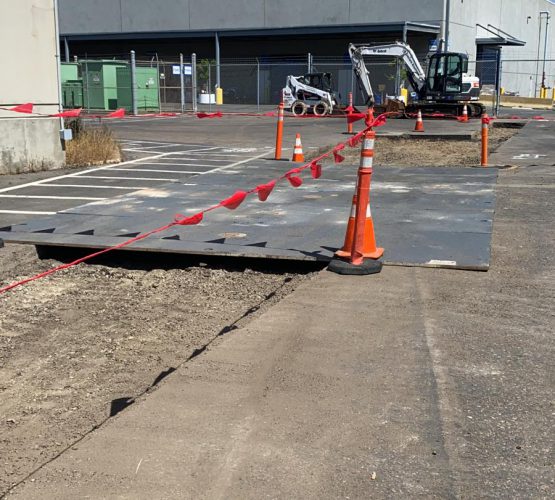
29	74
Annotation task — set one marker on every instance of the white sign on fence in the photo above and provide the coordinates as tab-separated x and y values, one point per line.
187	69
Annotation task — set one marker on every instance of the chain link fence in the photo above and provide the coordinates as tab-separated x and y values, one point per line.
183	83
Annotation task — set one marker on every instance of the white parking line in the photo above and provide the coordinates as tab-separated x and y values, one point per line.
34	197
184	164
188	158
153	170
26	212
96	169
167	179
90	186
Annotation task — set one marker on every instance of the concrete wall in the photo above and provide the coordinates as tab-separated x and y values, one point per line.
28	65
29	145
124	16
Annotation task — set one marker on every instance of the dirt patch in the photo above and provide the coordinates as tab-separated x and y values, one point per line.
79	345
401	152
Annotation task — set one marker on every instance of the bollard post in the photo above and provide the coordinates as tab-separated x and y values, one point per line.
485	133
350	112
279	132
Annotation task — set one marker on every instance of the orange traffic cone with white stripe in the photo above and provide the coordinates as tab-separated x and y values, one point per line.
419	127
369	248
465	114
298	156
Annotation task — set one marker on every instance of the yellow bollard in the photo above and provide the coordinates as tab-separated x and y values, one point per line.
219	95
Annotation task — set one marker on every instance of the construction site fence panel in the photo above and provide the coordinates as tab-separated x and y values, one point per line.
162	84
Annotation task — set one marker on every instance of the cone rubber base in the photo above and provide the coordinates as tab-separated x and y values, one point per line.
368	266
367	255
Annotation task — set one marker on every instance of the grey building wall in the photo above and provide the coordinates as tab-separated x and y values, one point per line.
520	18
124	16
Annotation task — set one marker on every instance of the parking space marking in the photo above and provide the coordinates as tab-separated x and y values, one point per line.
157	164
96	169
26	212
155	170
37	197
163	179
91	186
185	164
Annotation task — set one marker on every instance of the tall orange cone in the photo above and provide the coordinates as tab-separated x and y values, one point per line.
298	156
419	127
465	114
363	243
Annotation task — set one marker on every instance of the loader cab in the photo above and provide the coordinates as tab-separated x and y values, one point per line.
445	76
321	81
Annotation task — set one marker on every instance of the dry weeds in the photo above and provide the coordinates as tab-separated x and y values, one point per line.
92	146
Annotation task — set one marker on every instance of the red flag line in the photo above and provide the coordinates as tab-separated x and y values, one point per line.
263	191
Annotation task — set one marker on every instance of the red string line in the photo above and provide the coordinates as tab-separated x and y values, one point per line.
232	202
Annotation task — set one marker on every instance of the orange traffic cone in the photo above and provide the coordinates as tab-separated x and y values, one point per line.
419	127
464	114
298	156
369	249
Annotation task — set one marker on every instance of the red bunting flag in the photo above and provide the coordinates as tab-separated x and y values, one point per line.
294	180
234	200
336	156
23	108
379	121
72	113
355	140
118	113
316	170
355	117
189	221
217	114
264	190
349	109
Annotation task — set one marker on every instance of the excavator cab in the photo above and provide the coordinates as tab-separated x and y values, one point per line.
445	76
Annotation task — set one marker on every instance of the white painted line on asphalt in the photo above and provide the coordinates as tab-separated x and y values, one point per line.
91	186
35	197
153	170
239	162
188	158
26	212
96	169
170	145
184	164
166	179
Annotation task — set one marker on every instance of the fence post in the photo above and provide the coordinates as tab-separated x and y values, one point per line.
209	86
309	62
159	86
133	84
182	82
498	89
88	103
194	81
257	85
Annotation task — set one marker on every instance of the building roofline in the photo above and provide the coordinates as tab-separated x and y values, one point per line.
302	30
